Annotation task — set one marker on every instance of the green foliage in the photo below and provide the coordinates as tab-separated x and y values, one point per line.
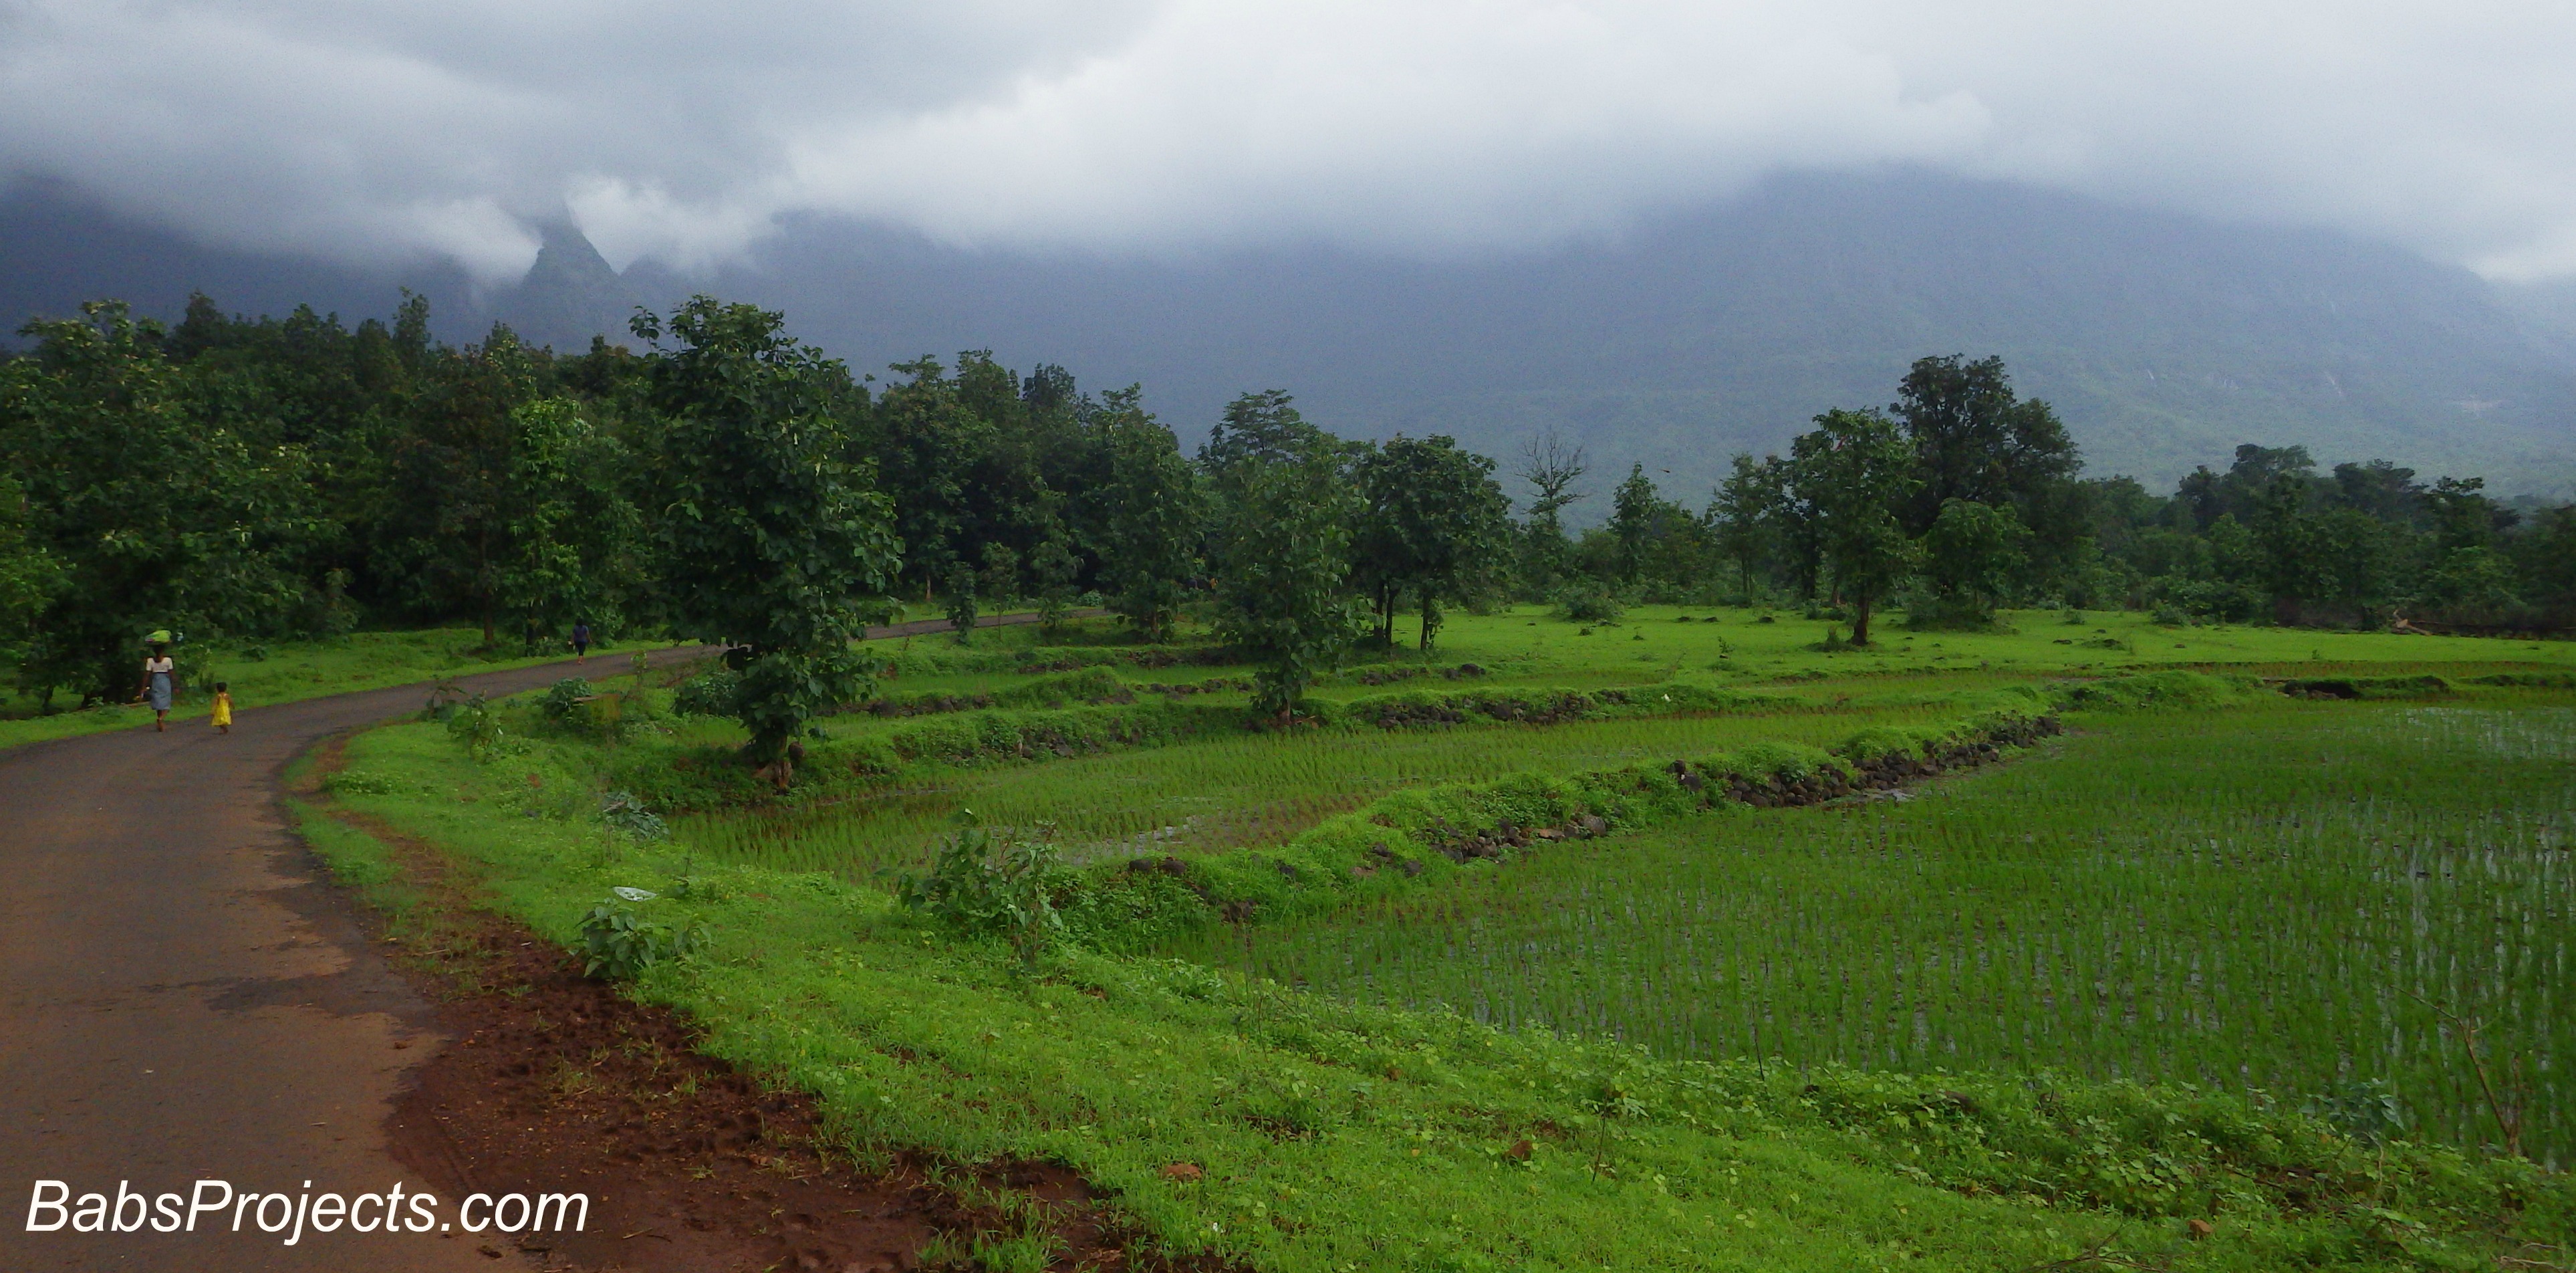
961	605
1970	557
1056	570
622	812
1853	472
126	514
713	692
1333	1133
1286	554
565	699
1432	523
1152	518
476	723
984	887
575	538
617	944
1588	603
2171	689
769	539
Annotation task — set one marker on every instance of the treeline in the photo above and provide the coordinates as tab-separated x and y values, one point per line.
1961	497
240	478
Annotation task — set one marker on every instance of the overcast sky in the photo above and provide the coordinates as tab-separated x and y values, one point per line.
377	132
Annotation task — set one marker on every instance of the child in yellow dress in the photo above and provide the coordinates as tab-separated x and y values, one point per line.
223	717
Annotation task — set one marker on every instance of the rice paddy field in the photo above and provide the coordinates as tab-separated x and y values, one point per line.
2220	977
2296	899
2310	901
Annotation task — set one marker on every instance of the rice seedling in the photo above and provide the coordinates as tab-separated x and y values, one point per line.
2294	900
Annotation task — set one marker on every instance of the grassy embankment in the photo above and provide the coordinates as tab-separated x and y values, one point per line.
1336	1135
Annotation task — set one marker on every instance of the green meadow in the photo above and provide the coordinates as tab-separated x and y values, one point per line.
1489	966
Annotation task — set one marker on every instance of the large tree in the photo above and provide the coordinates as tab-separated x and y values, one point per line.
574	534
1975	439
144	517
1433	523
1854	472
1551	466
770	541
1284	557
1150	514
1970	557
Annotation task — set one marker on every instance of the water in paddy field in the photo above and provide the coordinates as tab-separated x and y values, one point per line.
2293	900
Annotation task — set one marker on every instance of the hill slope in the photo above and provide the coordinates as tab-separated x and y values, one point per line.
2164	340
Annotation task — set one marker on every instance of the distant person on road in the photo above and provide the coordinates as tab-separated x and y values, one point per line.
158	672
223	714
580	642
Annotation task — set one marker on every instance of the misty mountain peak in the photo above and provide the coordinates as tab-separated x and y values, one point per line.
570	294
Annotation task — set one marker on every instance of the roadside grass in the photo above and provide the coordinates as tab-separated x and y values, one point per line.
278	672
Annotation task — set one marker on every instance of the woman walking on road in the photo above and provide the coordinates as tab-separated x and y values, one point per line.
158	671
581	643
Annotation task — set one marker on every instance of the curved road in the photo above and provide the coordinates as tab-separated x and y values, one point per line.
183	998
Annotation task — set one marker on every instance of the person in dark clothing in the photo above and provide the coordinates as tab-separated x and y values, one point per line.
580	642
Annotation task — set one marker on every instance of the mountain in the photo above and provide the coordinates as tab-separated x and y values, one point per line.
2164	340
570	294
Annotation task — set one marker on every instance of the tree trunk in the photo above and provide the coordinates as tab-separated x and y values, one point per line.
1860	619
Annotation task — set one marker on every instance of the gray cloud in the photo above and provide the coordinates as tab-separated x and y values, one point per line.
377	132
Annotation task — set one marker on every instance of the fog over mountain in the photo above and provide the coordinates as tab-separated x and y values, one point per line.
2163	339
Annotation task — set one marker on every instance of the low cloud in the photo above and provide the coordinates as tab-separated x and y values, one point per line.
374	133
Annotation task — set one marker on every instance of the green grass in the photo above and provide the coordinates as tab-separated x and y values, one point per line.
286	672
2253	905
1233	790
1913	1096
1339	1136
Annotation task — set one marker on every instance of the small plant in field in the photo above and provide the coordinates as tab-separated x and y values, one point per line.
2368	1110
445	696
475	723
975	889
623	813
618	944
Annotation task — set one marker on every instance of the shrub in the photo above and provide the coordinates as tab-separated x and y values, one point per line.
1587	603
477	724
622	812
974	890
618	945
710	693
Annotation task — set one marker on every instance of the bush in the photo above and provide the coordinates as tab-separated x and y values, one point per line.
709	693
1587	603
565	698
477	724
618	945
974	890
622	812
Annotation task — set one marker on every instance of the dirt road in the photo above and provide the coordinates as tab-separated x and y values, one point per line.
181	999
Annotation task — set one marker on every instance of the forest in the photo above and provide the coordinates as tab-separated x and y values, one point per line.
236	479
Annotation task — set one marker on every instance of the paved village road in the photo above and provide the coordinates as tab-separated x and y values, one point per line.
183	998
